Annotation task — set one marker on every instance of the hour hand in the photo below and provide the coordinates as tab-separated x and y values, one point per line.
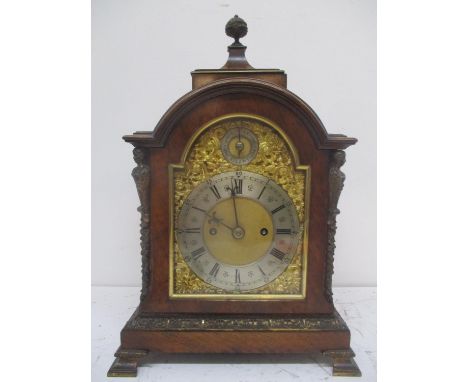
233	196
214	218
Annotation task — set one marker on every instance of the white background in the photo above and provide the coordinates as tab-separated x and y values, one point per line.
142	55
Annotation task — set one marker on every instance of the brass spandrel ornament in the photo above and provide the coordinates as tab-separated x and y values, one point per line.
239	185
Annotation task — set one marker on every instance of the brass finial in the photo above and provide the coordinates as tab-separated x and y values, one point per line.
236	28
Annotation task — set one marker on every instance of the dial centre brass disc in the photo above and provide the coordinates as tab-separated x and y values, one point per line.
244	244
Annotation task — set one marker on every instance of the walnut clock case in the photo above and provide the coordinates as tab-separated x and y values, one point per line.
239	184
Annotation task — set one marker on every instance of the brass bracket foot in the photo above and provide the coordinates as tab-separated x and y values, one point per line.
126	362
343	363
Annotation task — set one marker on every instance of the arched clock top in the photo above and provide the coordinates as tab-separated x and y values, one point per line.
240	86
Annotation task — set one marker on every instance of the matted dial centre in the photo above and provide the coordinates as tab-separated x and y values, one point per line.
242	244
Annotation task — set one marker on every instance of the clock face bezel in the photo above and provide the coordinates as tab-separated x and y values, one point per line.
241	295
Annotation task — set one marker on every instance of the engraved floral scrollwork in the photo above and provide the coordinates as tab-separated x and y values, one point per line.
141	174
336	180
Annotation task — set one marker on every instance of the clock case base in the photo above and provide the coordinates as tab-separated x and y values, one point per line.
145	336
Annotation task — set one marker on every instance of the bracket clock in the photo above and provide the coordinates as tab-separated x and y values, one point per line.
239	184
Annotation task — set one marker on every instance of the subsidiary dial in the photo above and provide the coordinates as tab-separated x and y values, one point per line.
239	145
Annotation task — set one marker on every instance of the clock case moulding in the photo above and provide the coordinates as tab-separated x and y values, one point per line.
164	326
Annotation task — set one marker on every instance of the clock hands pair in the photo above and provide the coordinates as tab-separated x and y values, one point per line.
237	231
239	144
233	196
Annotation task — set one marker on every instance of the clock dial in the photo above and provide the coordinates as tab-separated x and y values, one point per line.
238	230
239	145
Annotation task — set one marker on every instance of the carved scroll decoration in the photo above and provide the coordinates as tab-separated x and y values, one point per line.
141	174
336	180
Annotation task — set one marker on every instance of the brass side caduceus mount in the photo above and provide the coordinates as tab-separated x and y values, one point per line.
141	174
336	179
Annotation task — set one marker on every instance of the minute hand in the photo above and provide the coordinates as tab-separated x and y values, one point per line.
233	195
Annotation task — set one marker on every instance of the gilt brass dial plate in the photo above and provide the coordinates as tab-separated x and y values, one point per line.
198	239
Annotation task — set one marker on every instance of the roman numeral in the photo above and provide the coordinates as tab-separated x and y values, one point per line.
199	209
283	231
215	191
261	270
261	192
238	186
191	230
198	252
278	209
214	271
237	277
263	189
278	254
